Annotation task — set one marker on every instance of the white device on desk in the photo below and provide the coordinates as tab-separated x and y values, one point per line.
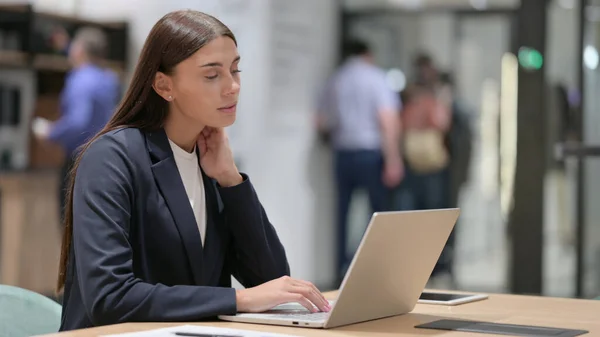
440	298
386	277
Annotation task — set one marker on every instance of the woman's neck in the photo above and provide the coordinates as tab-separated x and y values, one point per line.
182	132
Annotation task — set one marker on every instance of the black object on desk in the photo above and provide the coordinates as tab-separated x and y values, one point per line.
500	329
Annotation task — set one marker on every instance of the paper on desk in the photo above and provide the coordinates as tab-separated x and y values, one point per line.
200	330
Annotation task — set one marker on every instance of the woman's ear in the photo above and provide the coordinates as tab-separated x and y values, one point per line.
163	87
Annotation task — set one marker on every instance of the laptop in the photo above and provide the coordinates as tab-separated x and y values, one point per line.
386	276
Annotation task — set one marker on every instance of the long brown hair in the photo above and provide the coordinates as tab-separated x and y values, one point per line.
174	38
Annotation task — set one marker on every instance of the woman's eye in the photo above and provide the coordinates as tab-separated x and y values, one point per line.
217	75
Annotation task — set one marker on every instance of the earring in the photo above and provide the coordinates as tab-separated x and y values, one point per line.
170	98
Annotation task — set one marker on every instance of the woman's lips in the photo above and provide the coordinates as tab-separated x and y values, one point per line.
229	108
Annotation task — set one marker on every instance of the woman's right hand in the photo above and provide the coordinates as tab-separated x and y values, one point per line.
279	291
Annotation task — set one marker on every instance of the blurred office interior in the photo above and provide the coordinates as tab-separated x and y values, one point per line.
525	71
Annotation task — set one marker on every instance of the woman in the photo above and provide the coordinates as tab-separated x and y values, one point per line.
152	232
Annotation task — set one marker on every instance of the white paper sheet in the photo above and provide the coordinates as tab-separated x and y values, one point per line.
203	331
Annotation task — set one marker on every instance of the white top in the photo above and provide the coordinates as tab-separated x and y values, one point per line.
189	169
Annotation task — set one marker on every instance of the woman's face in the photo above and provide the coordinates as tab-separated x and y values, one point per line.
205	87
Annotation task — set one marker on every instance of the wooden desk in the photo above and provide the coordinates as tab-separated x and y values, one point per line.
540	311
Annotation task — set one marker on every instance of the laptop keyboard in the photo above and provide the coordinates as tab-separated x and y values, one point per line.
291	312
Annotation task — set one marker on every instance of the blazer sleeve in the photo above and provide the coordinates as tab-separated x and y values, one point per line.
102	214
256	255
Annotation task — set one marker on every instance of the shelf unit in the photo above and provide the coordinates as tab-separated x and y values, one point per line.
13	58
32	30
25	46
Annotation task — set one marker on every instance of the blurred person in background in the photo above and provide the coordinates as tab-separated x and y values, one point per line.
426	123
436	145
426	120
158	217
88	99
358	111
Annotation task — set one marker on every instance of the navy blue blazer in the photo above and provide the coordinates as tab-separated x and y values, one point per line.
137	254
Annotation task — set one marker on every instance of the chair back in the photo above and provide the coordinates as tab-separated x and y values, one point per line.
25	313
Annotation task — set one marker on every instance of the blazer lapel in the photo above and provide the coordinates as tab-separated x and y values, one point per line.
171	186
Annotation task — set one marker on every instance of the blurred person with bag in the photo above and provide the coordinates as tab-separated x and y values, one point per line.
426	121
436	146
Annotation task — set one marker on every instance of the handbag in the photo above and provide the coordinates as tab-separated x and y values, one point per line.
425	151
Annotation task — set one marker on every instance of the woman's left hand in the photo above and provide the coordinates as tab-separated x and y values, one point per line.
216	157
